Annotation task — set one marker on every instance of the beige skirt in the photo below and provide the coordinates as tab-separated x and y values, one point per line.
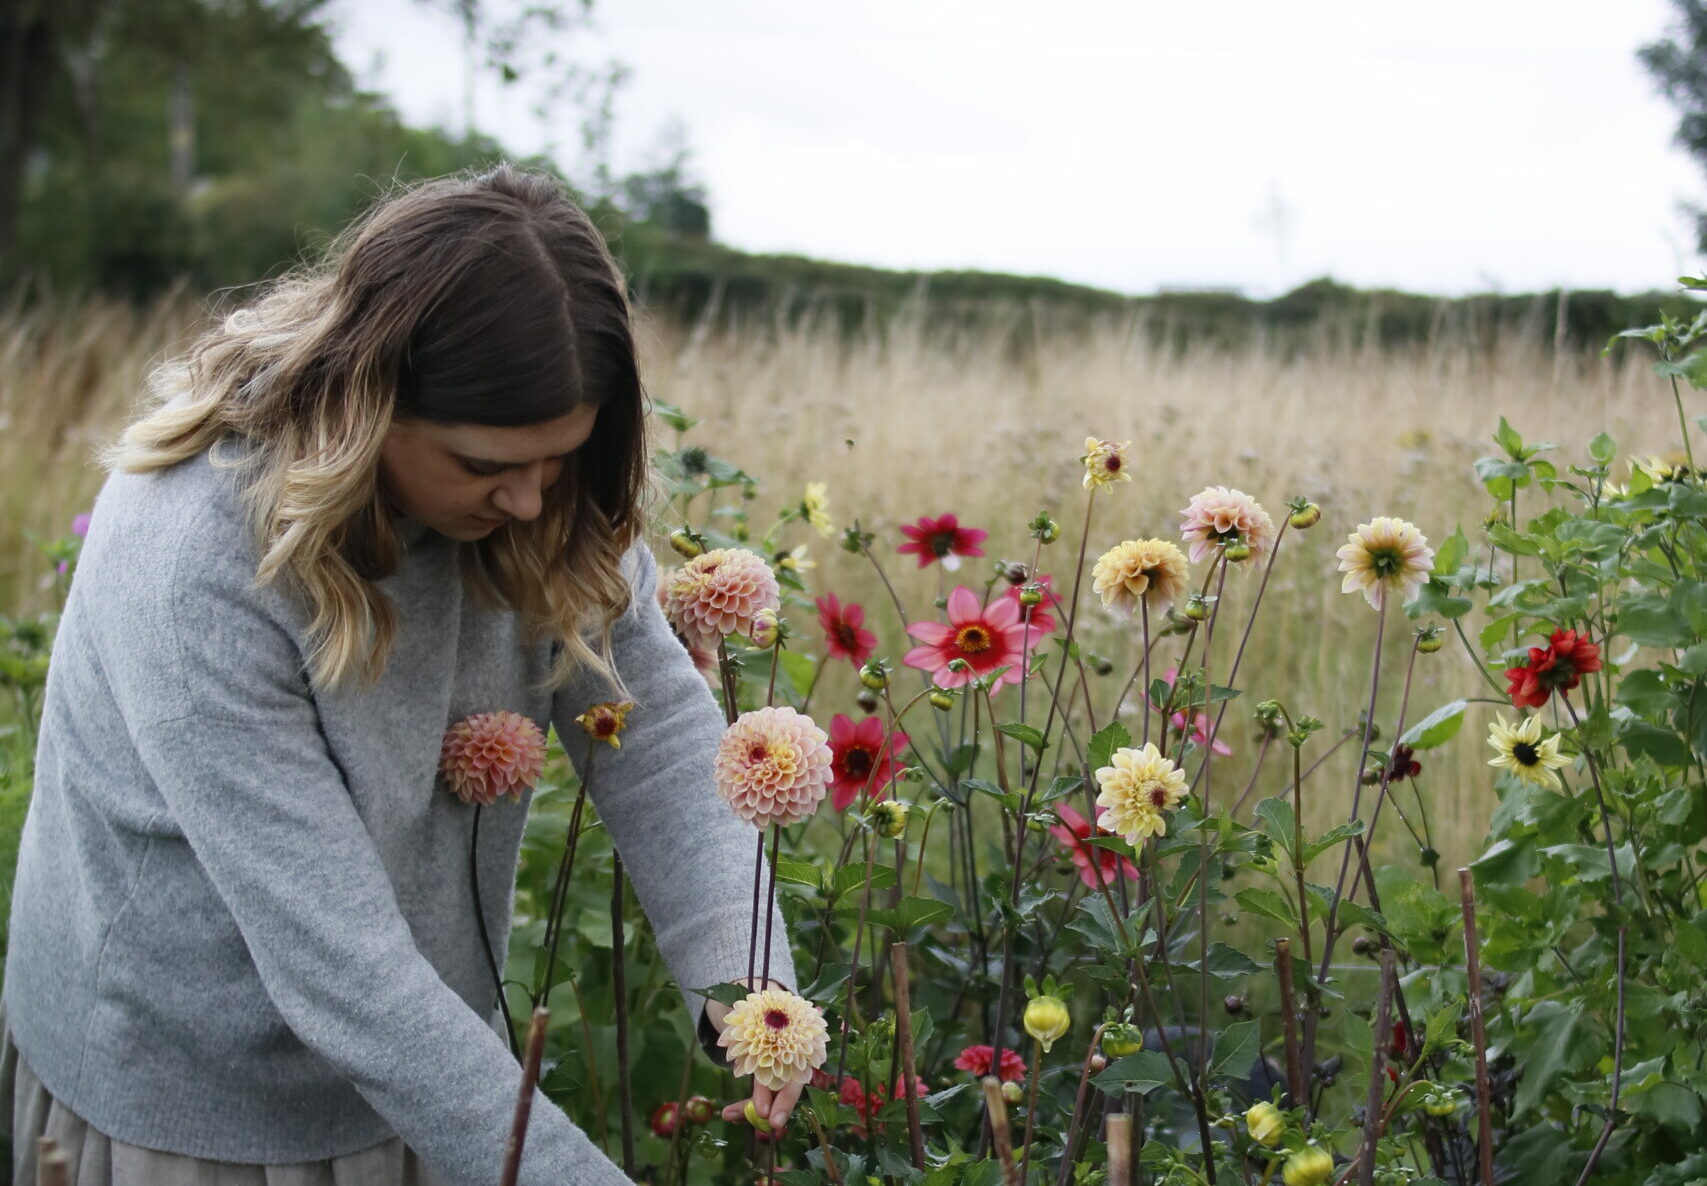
97	1160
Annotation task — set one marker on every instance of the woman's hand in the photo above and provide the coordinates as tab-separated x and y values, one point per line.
773	1106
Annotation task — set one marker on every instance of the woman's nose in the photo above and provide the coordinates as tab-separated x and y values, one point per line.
521	495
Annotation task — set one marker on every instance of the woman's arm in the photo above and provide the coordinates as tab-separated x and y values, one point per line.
690	857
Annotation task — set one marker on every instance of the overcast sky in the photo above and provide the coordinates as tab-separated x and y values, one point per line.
1446	146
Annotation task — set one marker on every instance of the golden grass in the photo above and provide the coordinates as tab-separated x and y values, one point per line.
988	423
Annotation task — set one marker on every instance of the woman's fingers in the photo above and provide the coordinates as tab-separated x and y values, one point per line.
773	1106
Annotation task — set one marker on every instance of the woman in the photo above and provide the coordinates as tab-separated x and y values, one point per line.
395	492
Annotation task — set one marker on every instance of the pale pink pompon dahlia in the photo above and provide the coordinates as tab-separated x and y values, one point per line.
1217	516
1384	556
773	766
719	593
776	1037
491	754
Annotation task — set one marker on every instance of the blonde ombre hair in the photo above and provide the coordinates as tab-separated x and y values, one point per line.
487	299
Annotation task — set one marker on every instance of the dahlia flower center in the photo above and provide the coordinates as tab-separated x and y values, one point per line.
776	1019
973	640
1525	754
846	636
1112	463
858	762
1386	561
942	542
758	752
1158	796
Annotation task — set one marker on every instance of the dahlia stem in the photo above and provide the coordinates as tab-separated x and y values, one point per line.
560	891
1144	614
853	967
1289	1021
1031	1108
1383	1038
1203	857
726	678
753	930
486	939
1365	841
524	1097
770	904
624	1099
1066	1166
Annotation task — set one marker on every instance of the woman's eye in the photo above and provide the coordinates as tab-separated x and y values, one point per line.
481	471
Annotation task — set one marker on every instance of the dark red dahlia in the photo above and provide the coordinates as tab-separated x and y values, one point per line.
1557	667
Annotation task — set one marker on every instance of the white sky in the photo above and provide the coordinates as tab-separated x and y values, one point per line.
1445	146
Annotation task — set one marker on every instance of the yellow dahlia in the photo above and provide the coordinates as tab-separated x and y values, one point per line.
814	508
1385	555
1522	752
719	593
1137	789
1149	568
773	766
776	1037
603	722
1105	462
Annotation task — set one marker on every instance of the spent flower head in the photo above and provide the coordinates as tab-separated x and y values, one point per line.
603	722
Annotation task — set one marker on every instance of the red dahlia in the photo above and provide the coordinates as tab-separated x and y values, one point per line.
862	755
845	634
977	1060
1557	667
943	539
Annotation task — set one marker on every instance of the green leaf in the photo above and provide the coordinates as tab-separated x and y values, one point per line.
1236	1050
1269	904
1008	799
1602	448
797	669
673	416
725	994
1278	822
1546	1049
1436	598
1059	788
798	873
1510	541
1644	692
1104	742
1327	840
1650	622
1505	436
1452	553
1024	734
1692	368
1662	745
1229	963
853	876
1438	727
1139	1074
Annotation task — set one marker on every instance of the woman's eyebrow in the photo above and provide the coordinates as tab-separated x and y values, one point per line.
473	460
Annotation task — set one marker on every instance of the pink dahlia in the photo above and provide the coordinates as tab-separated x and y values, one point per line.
863	755
491	754
1201	734
845	634
986	636
772	766
1217	516
942	539
704	658
1097	866
720	593
977	1060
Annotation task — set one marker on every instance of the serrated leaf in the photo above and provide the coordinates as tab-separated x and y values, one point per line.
1436	598
1138	1074
1104	742
1236	1049
853	876
1279	823
798	873
1024	734
1269	904
1327	840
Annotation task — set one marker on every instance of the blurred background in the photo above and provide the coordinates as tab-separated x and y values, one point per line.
920	250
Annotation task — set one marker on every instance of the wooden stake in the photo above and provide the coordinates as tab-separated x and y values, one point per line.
1377	1077
1119	1136
1289	1022
524	1096
1478	1033
996	1108
898	971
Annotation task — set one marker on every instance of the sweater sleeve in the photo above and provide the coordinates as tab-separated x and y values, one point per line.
688	855
235	748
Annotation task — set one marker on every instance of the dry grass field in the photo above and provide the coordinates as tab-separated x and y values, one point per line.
988	423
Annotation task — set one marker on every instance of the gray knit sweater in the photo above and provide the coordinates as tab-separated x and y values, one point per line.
243	927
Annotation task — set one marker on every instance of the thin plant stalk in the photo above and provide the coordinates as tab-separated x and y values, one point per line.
1383	1038
560	890
1478	1031
1289	1021
524	1097
486	939
1078	1107
853	967
619	978
770	907
1617	1073
1030	1108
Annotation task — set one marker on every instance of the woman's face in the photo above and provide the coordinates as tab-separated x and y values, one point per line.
467	480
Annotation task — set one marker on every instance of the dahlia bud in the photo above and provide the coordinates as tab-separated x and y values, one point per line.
959	665
1428	857
699	1110
1098	1062
603	722
1310	1166
1012	1092
1046	1019
1121	1039
767	628
874	674
664	1119
687	542
1429	640
1305	515
1014	574
1101	665
867	700
1233	1003
1236	551
890	818
1031	595
1197	607
1442	1103
1362	945
1044	528
941	699
759	1123
1265	1123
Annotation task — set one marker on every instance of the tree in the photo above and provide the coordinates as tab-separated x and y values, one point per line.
1678	63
